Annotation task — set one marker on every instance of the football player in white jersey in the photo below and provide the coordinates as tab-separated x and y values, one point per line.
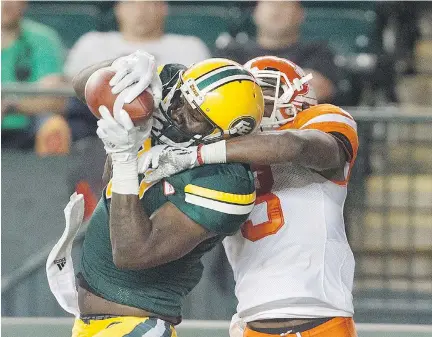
292	263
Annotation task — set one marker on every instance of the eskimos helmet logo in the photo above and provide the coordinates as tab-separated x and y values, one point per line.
242	126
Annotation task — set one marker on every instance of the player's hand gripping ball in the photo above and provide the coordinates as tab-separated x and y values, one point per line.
98	92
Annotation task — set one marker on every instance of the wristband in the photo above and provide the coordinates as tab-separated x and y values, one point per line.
125	177
212	153
199	157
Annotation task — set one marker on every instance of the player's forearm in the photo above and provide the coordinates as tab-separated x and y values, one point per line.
79	81
263	149
309	148
107	173
130	229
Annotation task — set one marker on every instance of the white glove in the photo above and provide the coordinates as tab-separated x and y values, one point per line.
163	161
122	139
139	72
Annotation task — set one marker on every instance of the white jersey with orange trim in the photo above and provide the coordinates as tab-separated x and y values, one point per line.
292	258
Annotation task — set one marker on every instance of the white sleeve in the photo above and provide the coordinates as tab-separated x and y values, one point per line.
198	50
79	56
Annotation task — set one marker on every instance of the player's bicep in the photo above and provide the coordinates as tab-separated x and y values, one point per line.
174	234
345	146
321	151
339	125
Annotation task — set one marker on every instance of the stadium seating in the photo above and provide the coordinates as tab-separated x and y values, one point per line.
70	21
206	22
323	23
336	5
203	21
346	30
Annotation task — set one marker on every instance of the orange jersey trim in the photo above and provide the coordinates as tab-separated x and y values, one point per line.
343	128
347	130
336	327
319	110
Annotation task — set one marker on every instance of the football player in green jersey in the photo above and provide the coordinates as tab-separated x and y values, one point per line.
142	249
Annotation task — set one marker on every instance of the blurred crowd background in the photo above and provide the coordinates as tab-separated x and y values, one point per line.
374	58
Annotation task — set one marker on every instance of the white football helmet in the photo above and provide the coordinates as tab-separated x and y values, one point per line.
291	91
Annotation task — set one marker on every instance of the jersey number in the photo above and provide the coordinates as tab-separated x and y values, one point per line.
254	232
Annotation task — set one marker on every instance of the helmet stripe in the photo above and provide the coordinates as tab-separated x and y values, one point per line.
219	78
214	72
226	80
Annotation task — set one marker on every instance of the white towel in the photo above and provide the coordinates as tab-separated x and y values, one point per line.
59	266
237	326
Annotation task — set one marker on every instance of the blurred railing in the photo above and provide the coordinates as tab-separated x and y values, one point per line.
389	215
20	89
388	219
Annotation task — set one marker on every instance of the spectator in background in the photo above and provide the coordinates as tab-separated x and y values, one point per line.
278	32
32	53
141	26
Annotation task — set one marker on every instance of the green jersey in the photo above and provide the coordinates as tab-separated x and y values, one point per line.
217	197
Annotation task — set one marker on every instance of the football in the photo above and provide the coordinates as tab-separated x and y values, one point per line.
98	92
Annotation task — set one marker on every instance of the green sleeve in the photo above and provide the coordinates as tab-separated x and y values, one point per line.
218	197
47	51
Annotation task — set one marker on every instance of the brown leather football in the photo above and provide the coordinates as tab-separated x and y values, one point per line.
98	92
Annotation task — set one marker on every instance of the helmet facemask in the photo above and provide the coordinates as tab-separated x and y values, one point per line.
285	108
195	97
167	132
